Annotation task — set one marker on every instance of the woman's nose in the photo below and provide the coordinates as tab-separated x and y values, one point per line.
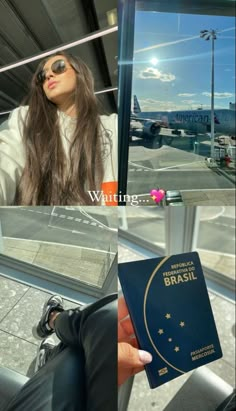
49	74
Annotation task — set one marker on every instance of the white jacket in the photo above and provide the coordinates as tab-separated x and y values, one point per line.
12	152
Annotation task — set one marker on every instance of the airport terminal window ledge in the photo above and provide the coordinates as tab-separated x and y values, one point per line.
139	244
48	281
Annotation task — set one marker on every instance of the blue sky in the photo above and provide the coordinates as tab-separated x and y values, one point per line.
181	79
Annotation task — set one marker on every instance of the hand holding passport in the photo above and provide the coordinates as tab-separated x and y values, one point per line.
171	313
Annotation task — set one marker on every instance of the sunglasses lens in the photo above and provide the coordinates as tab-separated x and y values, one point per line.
59	66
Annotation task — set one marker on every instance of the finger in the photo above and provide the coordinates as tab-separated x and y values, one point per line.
122	308
127	326
130	357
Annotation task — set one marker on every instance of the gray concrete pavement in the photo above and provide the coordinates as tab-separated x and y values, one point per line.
171	168
66	226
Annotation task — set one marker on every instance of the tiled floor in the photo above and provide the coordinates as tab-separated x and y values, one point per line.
144	399
20	309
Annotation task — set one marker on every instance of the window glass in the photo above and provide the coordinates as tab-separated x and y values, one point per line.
143	224
78	242
170	133
216	239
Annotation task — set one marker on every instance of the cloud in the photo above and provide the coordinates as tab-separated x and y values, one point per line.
218	95
153	73
189	101
149	104
186	94
157	105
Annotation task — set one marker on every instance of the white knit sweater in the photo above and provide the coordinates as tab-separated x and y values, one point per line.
12	151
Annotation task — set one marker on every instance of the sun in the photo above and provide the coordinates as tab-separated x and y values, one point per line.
154	61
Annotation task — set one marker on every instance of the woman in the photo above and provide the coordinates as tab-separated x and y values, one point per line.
58	150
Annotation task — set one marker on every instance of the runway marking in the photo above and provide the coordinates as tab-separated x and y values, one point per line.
224	225
140	166
179	165
95	224
62	244
144	168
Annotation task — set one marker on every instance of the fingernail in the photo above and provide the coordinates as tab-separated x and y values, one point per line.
145	357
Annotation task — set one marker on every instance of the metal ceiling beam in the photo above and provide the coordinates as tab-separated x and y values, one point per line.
84	39
92	20
22	20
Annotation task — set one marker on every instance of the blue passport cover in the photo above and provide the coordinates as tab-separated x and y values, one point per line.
171	313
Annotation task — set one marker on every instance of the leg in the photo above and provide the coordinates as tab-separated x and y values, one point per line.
95	330
58	386
83	375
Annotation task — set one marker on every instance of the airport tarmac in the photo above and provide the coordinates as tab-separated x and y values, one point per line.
171	168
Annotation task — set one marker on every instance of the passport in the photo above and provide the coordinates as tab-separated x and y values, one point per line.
171	313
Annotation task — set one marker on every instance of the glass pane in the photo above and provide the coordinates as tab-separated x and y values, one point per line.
170	133
144	223
216	240
78	242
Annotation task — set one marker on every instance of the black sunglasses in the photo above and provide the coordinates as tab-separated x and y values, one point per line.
57	67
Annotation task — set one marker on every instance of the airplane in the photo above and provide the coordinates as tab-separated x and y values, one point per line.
193	121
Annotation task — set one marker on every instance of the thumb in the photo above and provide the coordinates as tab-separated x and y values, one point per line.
131	357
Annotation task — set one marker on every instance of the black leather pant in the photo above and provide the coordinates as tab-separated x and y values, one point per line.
81	372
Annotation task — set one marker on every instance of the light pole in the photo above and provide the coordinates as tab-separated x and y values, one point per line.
207	35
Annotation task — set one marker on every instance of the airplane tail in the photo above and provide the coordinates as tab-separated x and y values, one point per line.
137	108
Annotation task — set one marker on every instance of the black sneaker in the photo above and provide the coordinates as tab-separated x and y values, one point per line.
42	329
44	352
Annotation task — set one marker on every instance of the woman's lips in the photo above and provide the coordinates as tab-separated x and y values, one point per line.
52	84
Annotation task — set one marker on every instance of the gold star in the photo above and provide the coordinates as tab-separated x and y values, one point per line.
168	316
170	339
182	324
160	331
154	198
176	349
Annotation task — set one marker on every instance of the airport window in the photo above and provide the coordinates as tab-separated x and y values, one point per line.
145	226
76	242
170	140
216	242
211	232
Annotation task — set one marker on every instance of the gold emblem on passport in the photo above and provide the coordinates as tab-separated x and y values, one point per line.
162	371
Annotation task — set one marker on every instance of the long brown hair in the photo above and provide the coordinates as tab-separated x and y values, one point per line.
49	178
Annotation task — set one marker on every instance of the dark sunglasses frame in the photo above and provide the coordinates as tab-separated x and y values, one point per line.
58	67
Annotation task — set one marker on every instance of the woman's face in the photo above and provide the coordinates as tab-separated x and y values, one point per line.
59	87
